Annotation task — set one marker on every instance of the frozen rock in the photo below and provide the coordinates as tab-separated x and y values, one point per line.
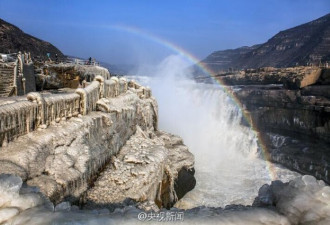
26	201
63	206
9	188
13	199
293	204
60	159
7	213
145	176
303	200
10	183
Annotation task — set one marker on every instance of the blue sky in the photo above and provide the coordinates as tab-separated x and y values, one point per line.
90	28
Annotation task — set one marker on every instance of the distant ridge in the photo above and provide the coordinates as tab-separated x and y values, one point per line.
307	43
13	39
219	60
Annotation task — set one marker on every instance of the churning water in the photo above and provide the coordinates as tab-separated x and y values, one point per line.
228	169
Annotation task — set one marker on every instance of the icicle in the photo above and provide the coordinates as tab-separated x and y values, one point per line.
116	89
110	90
37	97
16	119
60	107
100	79
122	85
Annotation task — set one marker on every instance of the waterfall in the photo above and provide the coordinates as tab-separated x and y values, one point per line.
228	170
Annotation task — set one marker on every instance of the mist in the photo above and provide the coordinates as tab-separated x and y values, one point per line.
228	170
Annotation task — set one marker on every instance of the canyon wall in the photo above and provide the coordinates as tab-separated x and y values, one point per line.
293	121
290	110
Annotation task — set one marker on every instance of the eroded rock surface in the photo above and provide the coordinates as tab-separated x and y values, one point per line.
291	78
293	124
145	169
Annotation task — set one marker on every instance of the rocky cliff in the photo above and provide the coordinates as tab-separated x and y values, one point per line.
66	143
13	39
301	45
223	60
293	125
290	110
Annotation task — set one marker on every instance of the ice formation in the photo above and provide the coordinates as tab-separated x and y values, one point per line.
303	201
144	170
17	119
62	159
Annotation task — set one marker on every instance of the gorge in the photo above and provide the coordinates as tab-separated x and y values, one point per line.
227	178
83	146
99	149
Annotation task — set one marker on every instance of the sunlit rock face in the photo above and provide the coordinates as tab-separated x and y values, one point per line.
145	169
292	78
69	75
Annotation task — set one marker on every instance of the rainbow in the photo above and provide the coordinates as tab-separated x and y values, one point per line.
182	52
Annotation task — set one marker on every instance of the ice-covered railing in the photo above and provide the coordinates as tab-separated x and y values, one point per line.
88	97
141	91
122	85
17	119
55	107
41	110
113	87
